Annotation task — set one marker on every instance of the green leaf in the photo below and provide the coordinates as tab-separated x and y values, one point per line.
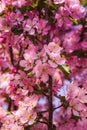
62	98
65	68
8	112
16	31
65	103
52	6
83	2
2	15
27	128
42	84
80	53
75	117
64	55
35	4
41	5
75	21
26	9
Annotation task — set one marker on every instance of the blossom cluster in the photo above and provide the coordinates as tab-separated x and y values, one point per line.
42	41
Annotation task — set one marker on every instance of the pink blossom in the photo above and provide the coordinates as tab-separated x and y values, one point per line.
71	41
29	27
75	9
16	18
73	90
5	81
25	113
25	116
53	50
63	19
5	24
42	27
10	123
29	57
42	71
59	1
84	45
55	60
18	3
2	6
82	124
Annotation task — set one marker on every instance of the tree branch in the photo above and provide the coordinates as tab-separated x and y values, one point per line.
50	124
11	55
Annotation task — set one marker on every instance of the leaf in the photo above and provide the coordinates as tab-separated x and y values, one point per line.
8	112
62	98
35	4
42	84
65	68
27	128
16	31
52	6
65	103
83	2
2	15
26	9
41	5
75	21
80	53
75	117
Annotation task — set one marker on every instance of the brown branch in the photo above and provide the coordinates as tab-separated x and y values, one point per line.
52	109
20	56
11	55
50	124
43	122
57	107
50	106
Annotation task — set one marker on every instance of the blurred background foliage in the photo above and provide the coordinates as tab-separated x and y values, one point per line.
84	2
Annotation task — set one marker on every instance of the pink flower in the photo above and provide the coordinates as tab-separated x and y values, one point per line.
84	45
29	57
18	3
42	71
70	42
30	101
25	116
59	1
62	17
72	90
82	124
77	107
55	60
39	126
74	8
11	124
42	27
29	26
25	113
53	50
5	24
42	55
18	78
82	95
57	77
5	80
2	6
16	18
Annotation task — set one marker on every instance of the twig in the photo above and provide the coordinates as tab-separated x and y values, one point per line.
11	55
50	124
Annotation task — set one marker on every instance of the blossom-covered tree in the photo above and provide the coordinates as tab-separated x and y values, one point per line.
43	47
